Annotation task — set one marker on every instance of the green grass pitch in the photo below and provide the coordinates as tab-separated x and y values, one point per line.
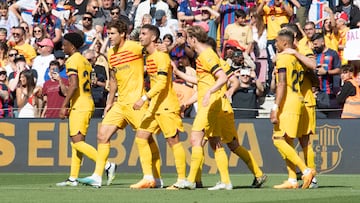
40	187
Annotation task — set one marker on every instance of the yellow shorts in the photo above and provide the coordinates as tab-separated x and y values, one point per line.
307	123
169	123
206	119
226	127
121	115
288	124
79	121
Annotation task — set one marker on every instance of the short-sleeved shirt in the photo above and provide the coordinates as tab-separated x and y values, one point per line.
78	65
332	61
274	16
128	64
162	94
52	90
293	100
27	51
242	34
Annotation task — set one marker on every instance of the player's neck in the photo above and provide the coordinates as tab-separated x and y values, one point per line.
151	48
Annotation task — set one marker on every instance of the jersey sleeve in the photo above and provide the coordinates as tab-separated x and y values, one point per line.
163	64
71	67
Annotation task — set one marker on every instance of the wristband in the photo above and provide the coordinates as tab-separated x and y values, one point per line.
275	107
144	98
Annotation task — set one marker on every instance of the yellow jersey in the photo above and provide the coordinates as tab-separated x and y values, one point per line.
226	105
27	51
293	99
305	81
162	95
78	65
128	64
207	64
274	17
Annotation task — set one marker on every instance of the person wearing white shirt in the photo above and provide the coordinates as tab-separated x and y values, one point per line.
42	61
165	25
150	7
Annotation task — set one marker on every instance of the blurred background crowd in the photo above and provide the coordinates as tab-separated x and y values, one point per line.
32	64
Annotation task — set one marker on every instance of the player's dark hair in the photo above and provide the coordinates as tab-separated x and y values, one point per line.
153	29
317	36
120	25
289	35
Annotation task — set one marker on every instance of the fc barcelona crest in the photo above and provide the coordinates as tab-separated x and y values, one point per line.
327	148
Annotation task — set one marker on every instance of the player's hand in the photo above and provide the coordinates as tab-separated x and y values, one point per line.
107	108
63	112
273	117
206	99
321	70
138	104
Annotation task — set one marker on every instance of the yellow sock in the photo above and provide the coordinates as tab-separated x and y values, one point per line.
222	163
289	153
76	158
145	155
86	149
196	157
199	172
103	154
309	156
291	169
180	160
155	159
247	157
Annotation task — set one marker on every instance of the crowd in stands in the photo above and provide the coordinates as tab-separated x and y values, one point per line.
33	76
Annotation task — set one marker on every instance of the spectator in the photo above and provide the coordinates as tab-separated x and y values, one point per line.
146	19
39	33
5	96
3	54
51	23
88	29
206	16
302	12
341	22
107	7
42	61
54	91
79	5
27	34
98	83
227	15
240	31
97	14
275	14
11	67
309	30
28	96
328	70
60	57
165	25
245	100
23	48
349	96
6	22
3	34
150	7
352	12
23	10
259	44
180	48
329	29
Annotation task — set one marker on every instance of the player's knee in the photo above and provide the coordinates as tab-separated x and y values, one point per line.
233	145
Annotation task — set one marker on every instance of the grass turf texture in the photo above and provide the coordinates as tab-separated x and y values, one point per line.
38	187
